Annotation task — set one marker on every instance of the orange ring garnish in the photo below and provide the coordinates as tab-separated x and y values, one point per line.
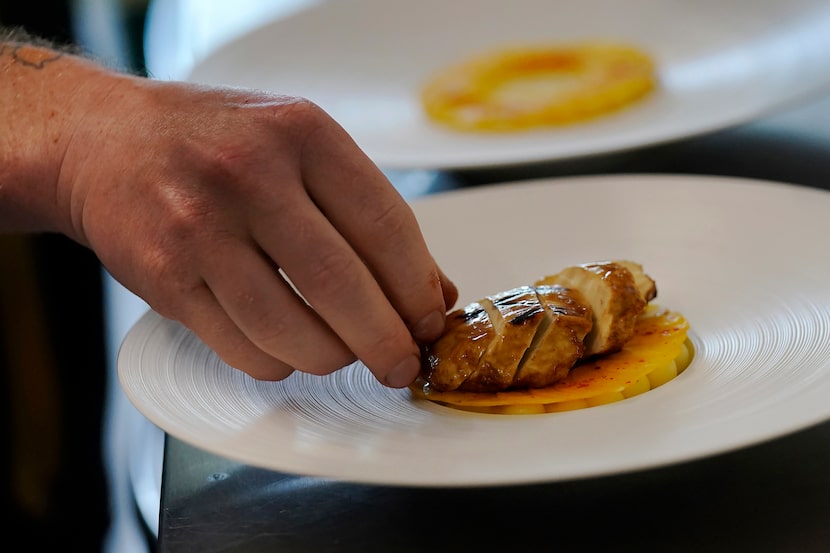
525	87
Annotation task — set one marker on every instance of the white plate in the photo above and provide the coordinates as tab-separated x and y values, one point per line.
745	261
365	60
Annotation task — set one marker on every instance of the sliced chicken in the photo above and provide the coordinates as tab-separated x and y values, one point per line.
531	336
645	284
558	343
450	360
531	339
615	299
516	315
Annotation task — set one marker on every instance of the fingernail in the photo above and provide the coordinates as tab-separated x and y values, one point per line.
429	328
404	373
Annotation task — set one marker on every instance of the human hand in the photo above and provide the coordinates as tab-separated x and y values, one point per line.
198	199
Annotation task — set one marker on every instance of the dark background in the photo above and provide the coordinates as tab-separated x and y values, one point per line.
52	358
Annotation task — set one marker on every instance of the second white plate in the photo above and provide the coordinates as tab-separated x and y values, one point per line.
364	61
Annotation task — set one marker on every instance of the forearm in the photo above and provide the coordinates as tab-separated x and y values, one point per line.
45	94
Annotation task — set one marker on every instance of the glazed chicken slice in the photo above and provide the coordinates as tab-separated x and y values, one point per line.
615	299
450	360
515	314
645	284
558	343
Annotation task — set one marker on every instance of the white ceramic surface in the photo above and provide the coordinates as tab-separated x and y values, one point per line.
720	64
745	261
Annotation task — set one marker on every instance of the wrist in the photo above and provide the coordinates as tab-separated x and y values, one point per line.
46	96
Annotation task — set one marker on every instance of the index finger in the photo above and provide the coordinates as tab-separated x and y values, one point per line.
381	227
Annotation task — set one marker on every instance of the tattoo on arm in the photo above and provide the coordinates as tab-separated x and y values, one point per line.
28	56
28	50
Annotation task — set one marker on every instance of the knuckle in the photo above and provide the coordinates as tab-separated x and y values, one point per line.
304	124
392	221
300	111
296	117
169	260
391	339
169	276
268	329
185	213
331	275
230	158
